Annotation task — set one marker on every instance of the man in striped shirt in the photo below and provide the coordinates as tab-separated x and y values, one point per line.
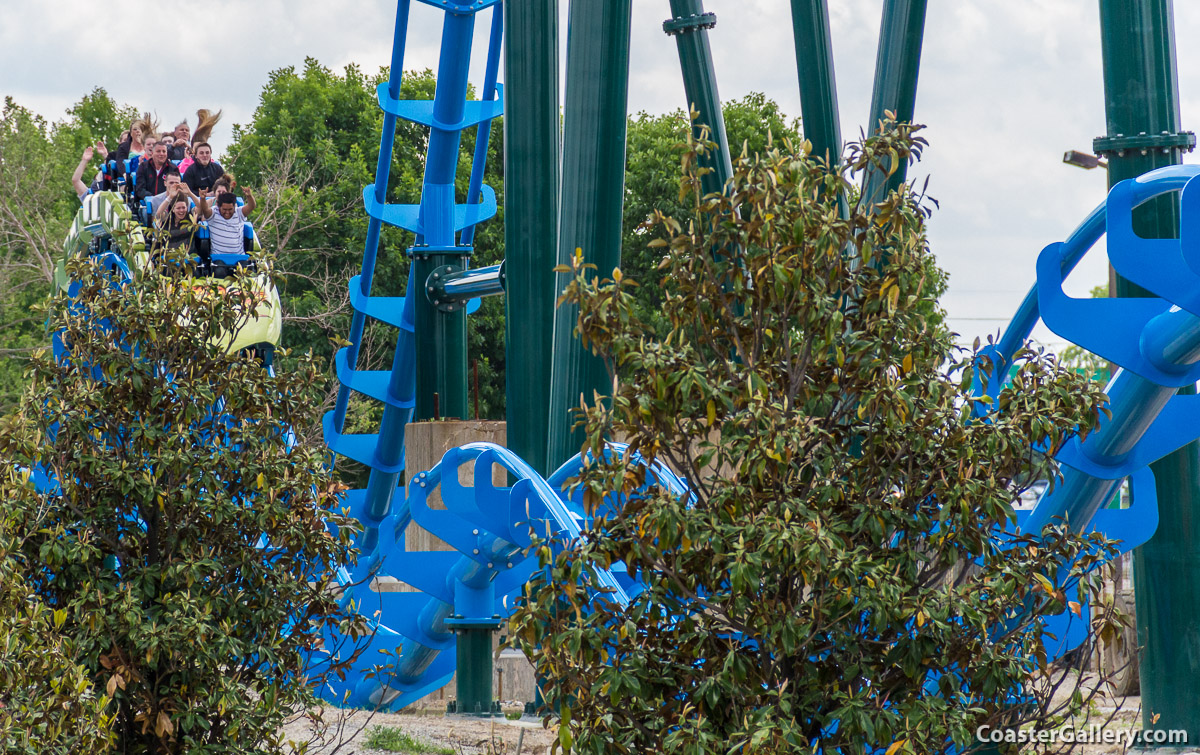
225	225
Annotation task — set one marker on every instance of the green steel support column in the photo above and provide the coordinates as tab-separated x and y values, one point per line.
473	672
531	155
896	67
441	346
818	88
593	176
689	26
1141	100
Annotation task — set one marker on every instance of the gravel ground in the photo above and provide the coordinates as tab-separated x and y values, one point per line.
464	735
1120	715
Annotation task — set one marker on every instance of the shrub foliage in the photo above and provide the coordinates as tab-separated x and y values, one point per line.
47	702
186	557
832	583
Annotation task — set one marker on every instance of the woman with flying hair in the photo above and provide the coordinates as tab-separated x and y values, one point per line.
205	121
133	145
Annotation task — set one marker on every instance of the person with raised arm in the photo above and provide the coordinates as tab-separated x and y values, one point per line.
172	181
82	189
225	224
174	226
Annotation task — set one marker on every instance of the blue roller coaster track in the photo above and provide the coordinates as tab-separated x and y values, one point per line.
1154	341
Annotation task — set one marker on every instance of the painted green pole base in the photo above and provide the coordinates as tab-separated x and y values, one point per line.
1168	620
441	342
474	672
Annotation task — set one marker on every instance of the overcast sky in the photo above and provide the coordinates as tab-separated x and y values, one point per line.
1005	88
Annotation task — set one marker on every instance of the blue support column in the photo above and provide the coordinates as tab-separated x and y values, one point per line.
429	365
383	166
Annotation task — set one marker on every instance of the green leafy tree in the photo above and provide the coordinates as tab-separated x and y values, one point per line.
37	159
186	557
655	148
47	702
832	582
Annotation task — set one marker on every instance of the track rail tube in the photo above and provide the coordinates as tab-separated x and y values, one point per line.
383	166
458	287
483	134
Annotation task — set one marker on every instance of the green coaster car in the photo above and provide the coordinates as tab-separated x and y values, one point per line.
106	230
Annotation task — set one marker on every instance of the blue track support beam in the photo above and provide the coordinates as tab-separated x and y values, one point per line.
426	337
429	364
442	336
484	132
430	355
383	166
389	454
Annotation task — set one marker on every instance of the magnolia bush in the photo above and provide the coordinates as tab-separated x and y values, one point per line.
184	559
833	582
